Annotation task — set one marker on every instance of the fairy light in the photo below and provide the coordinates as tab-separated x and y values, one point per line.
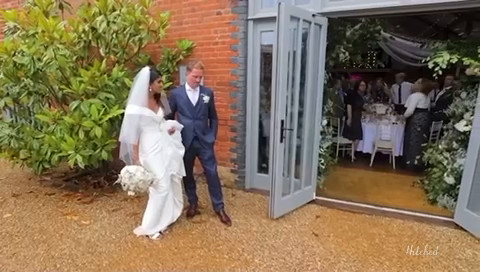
371	59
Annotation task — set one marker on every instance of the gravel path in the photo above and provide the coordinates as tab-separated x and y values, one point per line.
47	229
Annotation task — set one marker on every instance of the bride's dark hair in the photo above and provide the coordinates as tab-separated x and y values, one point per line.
154	75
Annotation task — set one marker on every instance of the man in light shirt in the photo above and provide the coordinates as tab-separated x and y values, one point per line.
194	107
400	92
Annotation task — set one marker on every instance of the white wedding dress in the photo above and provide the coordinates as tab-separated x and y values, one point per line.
162	155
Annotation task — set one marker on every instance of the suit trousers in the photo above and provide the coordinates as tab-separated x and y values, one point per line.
206	154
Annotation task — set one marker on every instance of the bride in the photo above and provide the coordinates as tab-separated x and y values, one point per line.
148	140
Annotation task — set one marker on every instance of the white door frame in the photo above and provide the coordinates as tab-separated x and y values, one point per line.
362	8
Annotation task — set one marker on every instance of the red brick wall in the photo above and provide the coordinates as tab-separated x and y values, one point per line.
209	25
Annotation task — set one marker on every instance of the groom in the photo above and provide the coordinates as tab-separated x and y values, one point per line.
195	109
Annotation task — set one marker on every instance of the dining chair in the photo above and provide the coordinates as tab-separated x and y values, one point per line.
384	141
435	131
342	144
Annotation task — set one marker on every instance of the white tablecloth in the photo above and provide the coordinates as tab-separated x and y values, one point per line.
370	134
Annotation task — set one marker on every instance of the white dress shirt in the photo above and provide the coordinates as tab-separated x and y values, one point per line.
192	93
414	101
406	90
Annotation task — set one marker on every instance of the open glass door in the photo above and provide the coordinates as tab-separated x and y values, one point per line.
467	212
298	76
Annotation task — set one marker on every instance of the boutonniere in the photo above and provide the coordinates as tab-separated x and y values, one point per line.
205	98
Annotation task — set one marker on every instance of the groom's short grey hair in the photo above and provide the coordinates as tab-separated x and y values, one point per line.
195	64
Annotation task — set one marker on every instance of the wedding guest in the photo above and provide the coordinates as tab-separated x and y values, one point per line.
381	93
368	96
443	100
337	96
346	84
433	94
400	92
355	105
418	123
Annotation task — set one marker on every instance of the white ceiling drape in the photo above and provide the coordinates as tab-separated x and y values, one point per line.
405	50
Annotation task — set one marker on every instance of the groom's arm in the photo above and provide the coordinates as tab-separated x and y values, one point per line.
172	101
212	115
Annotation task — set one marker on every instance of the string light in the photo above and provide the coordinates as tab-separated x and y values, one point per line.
369	62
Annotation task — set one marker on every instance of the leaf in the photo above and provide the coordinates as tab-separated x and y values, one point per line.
8	101
24	154
69	119
98	132
10	15
84	107
89	124
94	112
74	105
104	155
42	117
79	160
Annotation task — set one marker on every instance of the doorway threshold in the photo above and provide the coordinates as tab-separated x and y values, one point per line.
369	209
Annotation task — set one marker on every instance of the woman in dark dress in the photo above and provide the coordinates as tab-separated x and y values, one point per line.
418	124
355	105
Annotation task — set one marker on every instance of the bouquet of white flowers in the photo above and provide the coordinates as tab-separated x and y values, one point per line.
135	179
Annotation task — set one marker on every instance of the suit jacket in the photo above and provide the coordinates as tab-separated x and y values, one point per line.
200	120
443	102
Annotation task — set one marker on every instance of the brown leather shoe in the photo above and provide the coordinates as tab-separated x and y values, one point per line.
224	217
192	211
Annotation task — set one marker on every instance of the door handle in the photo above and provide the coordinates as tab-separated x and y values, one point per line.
282	130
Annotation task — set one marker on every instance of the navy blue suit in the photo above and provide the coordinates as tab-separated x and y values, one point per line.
199	133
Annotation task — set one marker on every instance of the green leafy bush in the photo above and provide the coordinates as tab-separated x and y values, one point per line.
326	154
64	82
447	158
460	53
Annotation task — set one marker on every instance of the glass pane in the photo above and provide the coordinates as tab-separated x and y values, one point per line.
268	3
302	2
474	197
266	49
301	109
289	107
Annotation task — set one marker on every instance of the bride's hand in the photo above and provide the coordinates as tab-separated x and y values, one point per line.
171	131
